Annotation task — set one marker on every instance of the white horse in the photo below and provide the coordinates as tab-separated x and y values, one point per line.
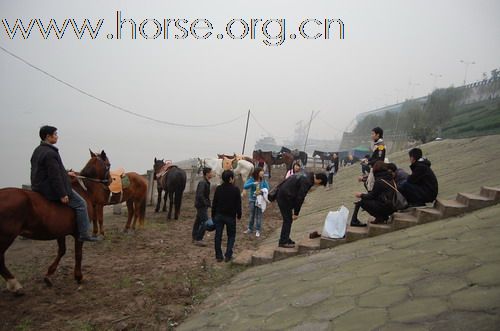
243	167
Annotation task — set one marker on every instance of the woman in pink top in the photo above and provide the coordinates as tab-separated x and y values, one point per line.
296	169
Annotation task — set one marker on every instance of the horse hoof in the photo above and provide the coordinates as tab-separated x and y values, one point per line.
156	210
19	293
47	281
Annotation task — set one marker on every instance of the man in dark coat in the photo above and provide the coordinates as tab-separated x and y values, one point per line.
291	195
202	203
50	178
422	185
226	208
377	202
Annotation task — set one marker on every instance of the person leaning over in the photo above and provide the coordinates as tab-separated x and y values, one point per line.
50	178
202	203
290	197
226	208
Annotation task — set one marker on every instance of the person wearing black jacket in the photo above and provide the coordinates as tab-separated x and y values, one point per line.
378	202
422	185
290	196
50	178
226	208
201	203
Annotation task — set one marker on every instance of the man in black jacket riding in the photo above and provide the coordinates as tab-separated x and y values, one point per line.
422	185
290	197
50	178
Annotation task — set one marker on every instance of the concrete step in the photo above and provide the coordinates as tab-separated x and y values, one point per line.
475	201
244	258
263	255
281	253
378	229
427	214
491	192
403	220
355	233
308	245
330	242
450	207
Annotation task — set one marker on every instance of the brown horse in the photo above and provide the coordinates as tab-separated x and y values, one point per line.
29	214
134	194
324	156
270	159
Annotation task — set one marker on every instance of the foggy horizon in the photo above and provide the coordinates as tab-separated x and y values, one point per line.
391	51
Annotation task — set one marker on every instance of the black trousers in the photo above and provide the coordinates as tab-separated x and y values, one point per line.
414	194
230	223
199	223
286	212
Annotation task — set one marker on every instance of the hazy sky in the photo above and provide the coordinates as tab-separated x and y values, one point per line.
387	45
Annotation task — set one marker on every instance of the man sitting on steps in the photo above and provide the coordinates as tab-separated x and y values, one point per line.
422	185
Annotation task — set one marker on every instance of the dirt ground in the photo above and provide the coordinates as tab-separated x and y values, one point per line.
148	280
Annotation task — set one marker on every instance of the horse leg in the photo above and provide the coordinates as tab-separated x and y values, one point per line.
158	203
12	284
170	204
100	214
165	201
130	214
142	211
95	216
61	250
78	261
178	202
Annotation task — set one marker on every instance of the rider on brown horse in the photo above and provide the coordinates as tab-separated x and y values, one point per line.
49	177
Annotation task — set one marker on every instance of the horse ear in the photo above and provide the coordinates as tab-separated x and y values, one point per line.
92	154
103	154
155	159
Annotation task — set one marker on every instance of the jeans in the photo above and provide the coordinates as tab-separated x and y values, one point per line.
255	216
199	224
82	217
230	223
330	178
286	212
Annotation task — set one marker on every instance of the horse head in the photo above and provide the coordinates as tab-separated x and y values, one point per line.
98	168
157	165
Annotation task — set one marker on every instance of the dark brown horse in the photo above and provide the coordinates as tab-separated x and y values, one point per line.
29	214
270	159
324	156
297	155
172	180
133	193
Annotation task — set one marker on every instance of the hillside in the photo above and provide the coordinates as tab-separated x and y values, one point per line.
430	277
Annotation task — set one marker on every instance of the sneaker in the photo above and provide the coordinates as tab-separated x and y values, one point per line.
88	238
257	234
287	245
200	243
247	231
357	223
227	259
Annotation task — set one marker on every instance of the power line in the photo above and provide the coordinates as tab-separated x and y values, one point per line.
119	108
261	126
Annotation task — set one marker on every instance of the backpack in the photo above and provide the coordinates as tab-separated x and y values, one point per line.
398	200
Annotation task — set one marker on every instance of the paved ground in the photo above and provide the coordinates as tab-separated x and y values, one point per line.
439	276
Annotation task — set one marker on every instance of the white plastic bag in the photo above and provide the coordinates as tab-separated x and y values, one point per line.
336	223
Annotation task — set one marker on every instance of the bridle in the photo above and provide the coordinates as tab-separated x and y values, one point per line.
105	181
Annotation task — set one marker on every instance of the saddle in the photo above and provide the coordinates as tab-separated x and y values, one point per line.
119	180
166	167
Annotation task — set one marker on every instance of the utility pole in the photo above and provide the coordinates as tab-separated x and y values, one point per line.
466	63
246	131
309	127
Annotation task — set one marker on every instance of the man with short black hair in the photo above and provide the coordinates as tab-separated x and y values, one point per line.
226	208
50	178
202	203
422	185
291	195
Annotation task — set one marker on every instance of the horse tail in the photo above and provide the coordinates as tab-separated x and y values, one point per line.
142	210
